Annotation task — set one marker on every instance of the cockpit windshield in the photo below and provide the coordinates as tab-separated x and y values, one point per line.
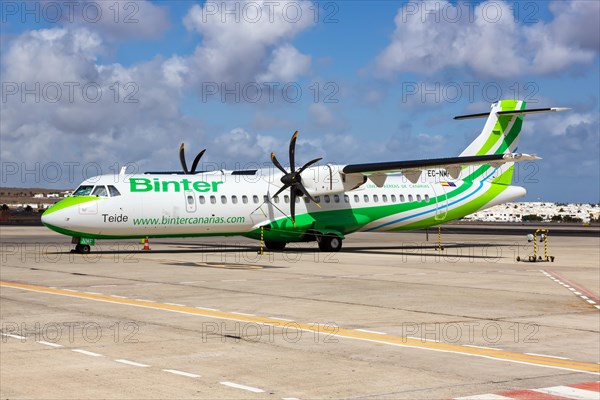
100	191
83	190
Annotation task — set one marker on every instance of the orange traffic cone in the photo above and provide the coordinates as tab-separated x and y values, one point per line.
146	244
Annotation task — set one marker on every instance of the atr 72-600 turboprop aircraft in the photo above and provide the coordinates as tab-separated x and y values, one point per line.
311	203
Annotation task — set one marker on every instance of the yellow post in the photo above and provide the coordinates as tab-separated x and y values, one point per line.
262	241
535	245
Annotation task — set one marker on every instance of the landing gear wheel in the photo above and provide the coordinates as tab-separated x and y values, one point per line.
275	245
83	248
330	243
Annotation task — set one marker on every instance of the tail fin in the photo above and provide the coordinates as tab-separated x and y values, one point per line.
500	135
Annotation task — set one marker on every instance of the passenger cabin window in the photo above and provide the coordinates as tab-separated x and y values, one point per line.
190	199
100	191
286	198
356	198
83	190
366	198
255	199
410	197
346	199
276	199
327	198
213	200
384	198
402	198
234	199
418	197
202	199
426	197
375	198
393	198
113	191
336	198
245	199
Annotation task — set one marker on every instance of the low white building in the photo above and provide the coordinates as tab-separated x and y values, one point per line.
514	212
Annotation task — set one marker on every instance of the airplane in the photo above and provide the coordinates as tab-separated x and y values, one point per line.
311	203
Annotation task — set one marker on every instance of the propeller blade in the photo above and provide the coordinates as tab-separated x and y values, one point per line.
196	161
308	164
293	206
277	164
182	159
293	151
305	192
281	190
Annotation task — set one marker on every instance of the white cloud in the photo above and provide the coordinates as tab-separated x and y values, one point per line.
118	20
429	38
244	48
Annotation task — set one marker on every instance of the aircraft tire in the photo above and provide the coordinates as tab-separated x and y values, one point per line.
330	243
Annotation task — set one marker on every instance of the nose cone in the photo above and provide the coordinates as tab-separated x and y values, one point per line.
58	216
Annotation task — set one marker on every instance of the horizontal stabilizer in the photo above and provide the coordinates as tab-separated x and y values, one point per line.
514	112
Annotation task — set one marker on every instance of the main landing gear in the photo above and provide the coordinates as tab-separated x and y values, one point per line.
331	243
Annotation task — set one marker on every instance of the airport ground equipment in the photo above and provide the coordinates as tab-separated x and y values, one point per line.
543	238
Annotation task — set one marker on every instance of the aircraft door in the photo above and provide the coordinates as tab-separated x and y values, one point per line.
441	201
190	201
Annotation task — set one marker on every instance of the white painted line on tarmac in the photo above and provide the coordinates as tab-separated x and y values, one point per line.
569	392
290	398
206	308
368	331
182	373
482	347
10	335
426	340
176	304
49	343
133	363
96	293
147	301
591	301
70	290
243	387
118	297
241	313
484	397
546	355
94	286
283	319
234	280
87	353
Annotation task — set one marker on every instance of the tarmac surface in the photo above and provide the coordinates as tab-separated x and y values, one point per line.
388	317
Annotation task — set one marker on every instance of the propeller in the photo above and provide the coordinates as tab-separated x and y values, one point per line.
184	164
293	179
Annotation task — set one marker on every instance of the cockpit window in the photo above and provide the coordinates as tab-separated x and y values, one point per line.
100	191
113	191
83	190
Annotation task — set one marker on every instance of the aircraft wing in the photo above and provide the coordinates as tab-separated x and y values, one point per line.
412	169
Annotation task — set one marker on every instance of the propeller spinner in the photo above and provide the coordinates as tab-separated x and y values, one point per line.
184	164
293	179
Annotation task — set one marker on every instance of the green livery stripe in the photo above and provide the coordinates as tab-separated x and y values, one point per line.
70	201
457	212
346	221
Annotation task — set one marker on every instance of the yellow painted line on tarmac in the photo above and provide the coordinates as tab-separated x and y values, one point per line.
536	360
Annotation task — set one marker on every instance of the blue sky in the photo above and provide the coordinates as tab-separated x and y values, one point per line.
390	77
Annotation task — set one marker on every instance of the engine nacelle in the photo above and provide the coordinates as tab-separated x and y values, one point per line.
328	179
